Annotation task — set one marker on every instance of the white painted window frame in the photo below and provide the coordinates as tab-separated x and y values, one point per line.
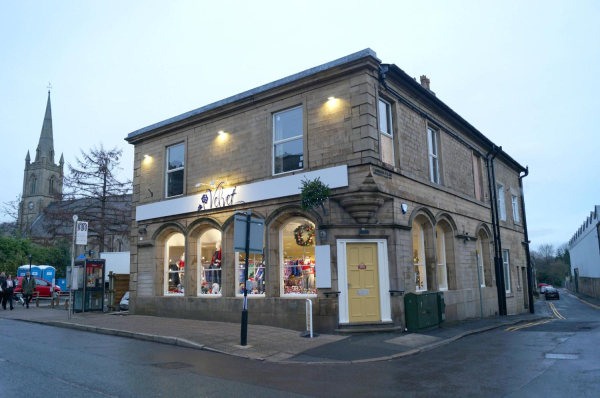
384	282
167	272
506	264
432	143
297	137
515	208
481	264
501	202
237	269
424	261
167	171
281	250
442	262
390	132
199	266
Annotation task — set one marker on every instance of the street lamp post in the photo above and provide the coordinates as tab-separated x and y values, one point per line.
30	257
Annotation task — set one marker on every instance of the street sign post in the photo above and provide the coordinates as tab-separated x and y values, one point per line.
82	233
247	237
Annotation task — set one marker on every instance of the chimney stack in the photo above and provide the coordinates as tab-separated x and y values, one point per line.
425	82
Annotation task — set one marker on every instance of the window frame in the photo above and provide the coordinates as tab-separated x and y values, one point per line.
200	267
515	208
167	171
478	177
433	138
167	271
390	127
441	250
501	202
424	261
298	137
481	264
506	265
281	264
33	185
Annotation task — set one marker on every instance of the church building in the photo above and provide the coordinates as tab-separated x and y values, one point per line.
43	178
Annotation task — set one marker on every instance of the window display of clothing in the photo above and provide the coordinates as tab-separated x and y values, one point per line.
299	276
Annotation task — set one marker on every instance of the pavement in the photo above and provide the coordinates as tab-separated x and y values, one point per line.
269	343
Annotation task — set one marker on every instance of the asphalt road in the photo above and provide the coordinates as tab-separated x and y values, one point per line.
45	361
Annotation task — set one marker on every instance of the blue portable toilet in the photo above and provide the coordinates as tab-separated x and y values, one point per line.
62	283
46	272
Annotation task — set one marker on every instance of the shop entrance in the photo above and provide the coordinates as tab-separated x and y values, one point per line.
363	282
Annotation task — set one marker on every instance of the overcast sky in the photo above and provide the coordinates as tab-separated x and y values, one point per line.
525	74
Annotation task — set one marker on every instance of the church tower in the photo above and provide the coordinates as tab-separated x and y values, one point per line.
43	179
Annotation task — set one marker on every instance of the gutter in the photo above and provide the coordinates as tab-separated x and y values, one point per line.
526	244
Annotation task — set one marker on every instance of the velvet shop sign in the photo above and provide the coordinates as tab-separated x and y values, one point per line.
222	196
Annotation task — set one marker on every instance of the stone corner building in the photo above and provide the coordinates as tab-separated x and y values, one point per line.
411	204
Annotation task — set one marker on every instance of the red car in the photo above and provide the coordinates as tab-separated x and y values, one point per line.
42	287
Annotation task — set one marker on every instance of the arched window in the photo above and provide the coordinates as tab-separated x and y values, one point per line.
175	264
33	183
51	187
256	273
297	245
480	265
209	263
442	268
484	262
419	258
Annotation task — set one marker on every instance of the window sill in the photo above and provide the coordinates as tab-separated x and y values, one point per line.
211	295
288	172
173	295
241	296
293	296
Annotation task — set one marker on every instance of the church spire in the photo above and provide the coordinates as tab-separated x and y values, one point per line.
45	147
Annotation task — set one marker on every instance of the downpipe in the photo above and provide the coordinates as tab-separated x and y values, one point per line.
526	243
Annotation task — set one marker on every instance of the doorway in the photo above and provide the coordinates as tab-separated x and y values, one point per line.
363	282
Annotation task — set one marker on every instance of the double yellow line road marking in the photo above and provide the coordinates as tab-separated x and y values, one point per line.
542	322
585	302
528	325
555	311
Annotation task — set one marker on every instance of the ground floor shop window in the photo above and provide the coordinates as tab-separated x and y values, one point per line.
256	273
209	263
175	264
298	268
442	269
420	270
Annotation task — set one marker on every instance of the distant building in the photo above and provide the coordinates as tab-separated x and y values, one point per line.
584	248
43	214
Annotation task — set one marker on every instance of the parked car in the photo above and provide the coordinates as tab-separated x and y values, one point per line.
124	304
551	292
544	287
43	287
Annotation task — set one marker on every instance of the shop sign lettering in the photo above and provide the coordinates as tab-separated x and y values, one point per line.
214	199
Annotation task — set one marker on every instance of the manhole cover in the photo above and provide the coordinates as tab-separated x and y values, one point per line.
562	356
172	365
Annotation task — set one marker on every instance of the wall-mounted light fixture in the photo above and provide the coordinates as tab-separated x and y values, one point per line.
146	156
465	236
151	193
330	98
143	230
220	132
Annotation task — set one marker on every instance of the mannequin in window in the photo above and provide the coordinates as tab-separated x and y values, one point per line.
216	263
308	275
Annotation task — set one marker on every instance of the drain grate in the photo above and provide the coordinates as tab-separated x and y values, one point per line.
562	356
172	365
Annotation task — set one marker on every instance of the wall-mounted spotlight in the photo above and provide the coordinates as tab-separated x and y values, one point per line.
330	98
143	230
151	193
220	132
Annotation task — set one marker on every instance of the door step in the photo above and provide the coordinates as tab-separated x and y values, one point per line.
368	327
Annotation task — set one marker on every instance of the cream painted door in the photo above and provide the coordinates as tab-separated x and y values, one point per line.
363	282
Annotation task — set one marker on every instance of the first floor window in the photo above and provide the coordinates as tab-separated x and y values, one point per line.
288	142
298	246
506	270
175	170
209	269
33	183
442	268
434	164
420	270
480	262
386	132
175	264
501	204
515	208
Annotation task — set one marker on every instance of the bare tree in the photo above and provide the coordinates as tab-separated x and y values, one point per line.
93	192
11	209
546	253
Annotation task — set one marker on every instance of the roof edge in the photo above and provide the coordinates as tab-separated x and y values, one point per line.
367	52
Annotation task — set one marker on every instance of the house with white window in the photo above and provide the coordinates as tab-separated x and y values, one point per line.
420	201
584	249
